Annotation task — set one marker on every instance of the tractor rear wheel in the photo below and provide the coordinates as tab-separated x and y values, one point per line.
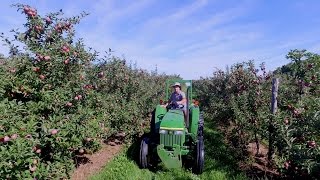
200	125
153	123
143	156
199	160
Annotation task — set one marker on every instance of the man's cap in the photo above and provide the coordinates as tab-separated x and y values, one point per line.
176	84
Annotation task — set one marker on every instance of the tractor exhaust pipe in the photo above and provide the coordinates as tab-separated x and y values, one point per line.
187	111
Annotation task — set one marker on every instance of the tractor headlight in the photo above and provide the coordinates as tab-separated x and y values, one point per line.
178	132
162	131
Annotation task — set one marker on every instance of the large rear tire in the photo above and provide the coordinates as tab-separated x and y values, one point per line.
199	153
153	123
200	125
143	156
199	159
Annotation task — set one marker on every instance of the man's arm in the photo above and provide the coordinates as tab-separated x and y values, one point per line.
184	99
165	105
168	102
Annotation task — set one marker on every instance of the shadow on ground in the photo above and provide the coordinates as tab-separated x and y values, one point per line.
218	157
133	154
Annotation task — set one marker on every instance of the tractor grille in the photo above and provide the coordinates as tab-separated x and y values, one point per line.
170	139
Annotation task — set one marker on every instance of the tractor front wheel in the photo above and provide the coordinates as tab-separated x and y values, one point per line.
199	160
143	156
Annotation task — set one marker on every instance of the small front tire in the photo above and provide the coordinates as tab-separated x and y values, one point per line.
199	157
144	148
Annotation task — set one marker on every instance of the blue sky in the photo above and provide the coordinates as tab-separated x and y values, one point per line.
188	37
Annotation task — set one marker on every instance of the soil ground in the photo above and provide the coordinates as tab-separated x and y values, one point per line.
92	163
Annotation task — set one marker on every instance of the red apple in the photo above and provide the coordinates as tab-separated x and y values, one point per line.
307	84
30	11
69	104
80	96
33	14
38	28
81	151
311	143
54	131
47	58
33	168
28	136
296	112
286	165
38	151
66	61
36	69
76	98
68	25
48	20
40	57
26	9
58	28
42	77
6	139
13	70
65	48
14	136
100	74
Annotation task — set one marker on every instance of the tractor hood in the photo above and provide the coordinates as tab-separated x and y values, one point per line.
173	120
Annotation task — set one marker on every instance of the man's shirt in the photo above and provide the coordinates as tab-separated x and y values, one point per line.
177	96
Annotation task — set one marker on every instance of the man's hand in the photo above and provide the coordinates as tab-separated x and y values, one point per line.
164	105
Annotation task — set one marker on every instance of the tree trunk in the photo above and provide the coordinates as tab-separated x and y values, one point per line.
275	85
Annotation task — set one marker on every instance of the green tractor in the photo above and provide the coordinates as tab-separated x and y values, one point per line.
175	139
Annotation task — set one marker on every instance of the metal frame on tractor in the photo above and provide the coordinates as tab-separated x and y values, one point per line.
173	140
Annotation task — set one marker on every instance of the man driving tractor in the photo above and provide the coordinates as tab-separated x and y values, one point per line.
178	99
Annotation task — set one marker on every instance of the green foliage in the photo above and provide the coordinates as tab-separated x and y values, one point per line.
299	110
240	99
58	103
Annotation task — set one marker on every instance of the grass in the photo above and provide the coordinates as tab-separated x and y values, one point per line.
219	164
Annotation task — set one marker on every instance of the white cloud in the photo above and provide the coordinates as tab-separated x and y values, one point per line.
108	12
195	56
181	39
4	50
179	14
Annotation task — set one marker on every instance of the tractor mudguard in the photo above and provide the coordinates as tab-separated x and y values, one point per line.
157	116
194	122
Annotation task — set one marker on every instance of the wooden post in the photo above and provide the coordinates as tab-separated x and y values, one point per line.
275	86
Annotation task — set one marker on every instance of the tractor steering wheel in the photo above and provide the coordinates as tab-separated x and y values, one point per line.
175	105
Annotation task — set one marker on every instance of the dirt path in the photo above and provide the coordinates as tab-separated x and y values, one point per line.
95	162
